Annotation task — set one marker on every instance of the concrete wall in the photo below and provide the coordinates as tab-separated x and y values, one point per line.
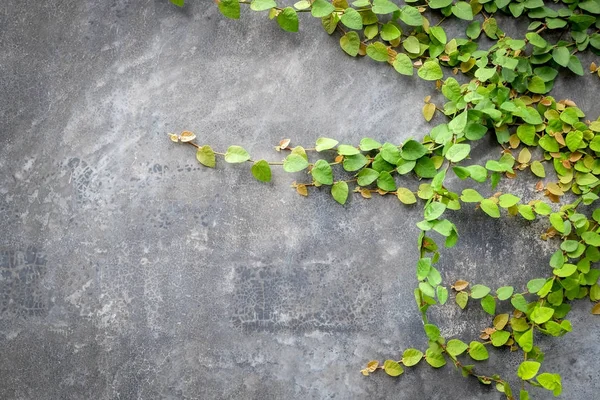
128	271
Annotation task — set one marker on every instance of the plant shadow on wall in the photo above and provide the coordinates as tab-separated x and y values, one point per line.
506	98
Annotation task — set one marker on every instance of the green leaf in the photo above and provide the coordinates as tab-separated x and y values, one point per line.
206	156
561	56
499	338
230	8
432	332
347	150
384	7
541	314
549	144
526	341
325	144
430	71
434	210
591	238
236	154
456	347
294	163
411	357
479	291
458	123
413	150
442	295
403	64
575	65
569	115
528	369
411	16
386	182
368	144
378	51
425	168
321	8
470	196
536	85
339	191
474	30
411	45
550	382
405	196
322	173
477	351
538	169
367	176
261	170
519	302
178	3
488	303
423	268
490	208
462	10
354	162
462	299
536	40
287	19
458	152
438	33
352	19
504	292
535	285
435	358
262	5
390	153
436	4
350	43
392	368
478	173
389	32
508	200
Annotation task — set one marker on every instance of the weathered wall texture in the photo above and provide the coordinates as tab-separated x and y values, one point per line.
127	271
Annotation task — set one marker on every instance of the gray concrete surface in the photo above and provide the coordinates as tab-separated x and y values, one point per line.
130	272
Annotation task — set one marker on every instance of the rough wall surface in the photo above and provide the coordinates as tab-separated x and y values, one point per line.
127	271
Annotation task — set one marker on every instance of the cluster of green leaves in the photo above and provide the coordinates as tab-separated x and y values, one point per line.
506	98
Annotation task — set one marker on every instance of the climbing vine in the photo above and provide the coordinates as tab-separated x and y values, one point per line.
506	96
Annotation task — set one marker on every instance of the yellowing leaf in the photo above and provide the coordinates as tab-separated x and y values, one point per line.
372	365
460	285
596	309
302	190
406	196
186	136
524	156
428	111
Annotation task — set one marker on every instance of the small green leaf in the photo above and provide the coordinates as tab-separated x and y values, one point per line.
206	156
499	338
322	173
339	191
389	32
526	341
321	8
431	71
261	170
435	358
384	7
294	163
536	40
404	195
236	154
535	285
541	314
347	150
411	16
325	144
488	303
528	369
432	332
508	200
386	182
352	19
470	196
456	347
411	357
490	208
178	3
591	238
350	43
538	169
434	210
230	8
458	152
403	64
262	5
354	162
462	298
479	291
287	19
413	150
367	176
561	55
368	144
442	295
477	351
504	292
392	368
378	51
462	10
